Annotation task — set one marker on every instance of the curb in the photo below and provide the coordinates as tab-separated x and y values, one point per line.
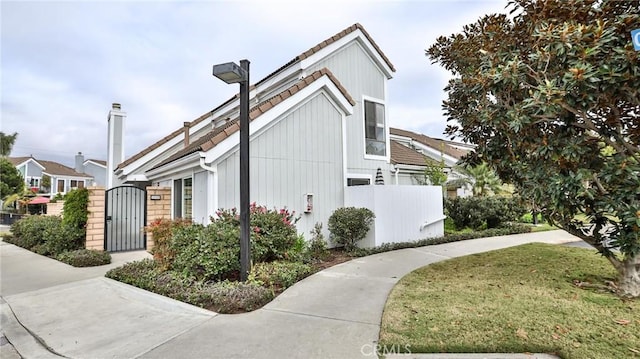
18	336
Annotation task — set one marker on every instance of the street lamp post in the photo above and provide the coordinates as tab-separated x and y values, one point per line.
231	73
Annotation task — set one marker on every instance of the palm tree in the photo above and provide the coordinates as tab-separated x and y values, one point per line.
482	179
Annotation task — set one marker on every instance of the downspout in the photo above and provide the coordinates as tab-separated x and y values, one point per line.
395	173
211	187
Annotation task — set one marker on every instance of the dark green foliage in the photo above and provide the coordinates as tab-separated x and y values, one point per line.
221	297
317	246
207	253
213	252
280	274
6	143
551	98
483	212
11	182
348	225
455	237
74	212
85	258
47	235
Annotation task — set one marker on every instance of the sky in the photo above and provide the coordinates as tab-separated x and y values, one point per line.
62	64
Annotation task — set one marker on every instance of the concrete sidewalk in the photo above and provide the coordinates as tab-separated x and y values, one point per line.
332	314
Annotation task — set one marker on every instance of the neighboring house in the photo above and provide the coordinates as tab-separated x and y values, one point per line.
92	167
318	124
409	165
62	178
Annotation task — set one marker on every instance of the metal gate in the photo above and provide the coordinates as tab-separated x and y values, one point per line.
125	218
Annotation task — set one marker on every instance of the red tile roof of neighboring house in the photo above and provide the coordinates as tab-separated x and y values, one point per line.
435	143
295	60
219	134
403	155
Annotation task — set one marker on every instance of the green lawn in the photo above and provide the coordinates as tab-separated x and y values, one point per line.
520	299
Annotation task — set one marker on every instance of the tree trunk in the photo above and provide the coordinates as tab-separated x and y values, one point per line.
629	284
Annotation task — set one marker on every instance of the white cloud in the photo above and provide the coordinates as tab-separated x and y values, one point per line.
64	63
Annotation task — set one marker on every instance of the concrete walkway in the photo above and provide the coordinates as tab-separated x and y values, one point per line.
77	313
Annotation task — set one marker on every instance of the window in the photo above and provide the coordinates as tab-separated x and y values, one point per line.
74	184
177	198
187	192
80	184
374	130
34	182
60	186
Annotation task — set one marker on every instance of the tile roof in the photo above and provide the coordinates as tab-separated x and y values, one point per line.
435	143
328	42
50	167
295	60
403	155
17	160
219	134
100	162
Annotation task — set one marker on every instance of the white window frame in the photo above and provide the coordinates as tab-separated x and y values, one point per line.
386	129
183	199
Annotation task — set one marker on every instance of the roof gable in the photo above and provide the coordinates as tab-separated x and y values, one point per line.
56	169
403	155
266	84
219	134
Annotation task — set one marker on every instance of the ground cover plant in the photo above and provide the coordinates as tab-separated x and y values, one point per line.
531	298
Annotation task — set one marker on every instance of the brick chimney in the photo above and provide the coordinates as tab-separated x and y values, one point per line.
186	133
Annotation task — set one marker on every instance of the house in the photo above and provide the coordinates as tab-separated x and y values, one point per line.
318	125
409	166
61	179
92	167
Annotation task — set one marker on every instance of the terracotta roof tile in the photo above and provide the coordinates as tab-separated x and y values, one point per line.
217	135
435	143
403	155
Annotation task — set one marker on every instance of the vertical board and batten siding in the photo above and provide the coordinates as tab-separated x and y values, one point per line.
200	198
403	213
358	73
299	154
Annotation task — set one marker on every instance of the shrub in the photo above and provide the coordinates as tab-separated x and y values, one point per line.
74	210
317	247
483	212
493	232
279	274
528	218
161	231
349	225
63	238
30	230
141	274
222	297
84	258
207	253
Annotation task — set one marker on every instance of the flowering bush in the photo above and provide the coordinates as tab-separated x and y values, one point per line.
161	231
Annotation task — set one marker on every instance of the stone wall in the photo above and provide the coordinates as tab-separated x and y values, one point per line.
95	221
55	208
158	207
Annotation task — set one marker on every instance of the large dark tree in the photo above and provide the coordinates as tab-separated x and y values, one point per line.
11	181
550	95
6	143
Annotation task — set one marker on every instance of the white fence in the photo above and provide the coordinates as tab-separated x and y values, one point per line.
403	213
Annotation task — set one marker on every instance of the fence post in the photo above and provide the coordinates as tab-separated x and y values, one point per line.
95	220
158	207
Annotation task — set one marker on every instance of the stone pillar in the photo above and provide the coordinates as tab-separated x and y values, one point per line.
158	207
95	222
